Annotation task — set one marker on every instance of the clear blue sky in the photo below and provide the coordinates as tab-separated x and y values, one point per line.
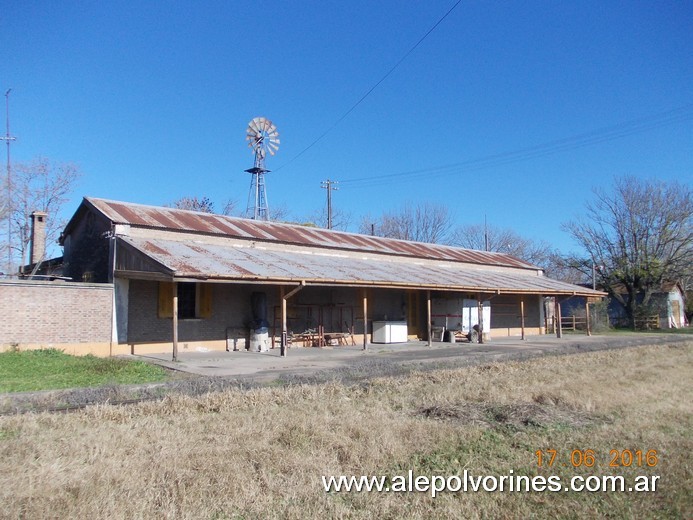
152	100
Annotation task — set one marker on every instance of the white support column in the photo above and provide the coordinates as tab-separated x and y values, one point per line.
365	319
522	315
480	308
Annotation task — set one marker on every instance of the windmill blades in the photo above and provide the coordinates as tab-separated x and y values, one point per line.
273	141
259	124
256	124
262	136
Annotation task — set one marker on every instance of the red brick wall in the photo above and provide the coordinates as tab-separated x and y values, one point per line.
33	312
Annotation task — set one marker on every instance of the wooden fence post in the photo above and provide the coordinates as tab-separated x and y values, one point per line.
428	318
175	321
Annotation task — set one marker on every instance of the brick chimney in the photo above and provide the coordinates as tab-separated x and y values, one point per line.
38	236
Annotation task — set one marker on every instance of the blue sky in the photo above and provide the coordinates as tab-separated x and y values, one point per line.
152	100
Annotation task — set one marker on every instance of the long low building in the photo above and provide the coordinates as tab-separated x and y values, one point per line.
191	280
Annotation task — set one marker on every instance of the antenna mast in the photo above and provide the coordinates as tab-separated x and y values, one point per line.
8	138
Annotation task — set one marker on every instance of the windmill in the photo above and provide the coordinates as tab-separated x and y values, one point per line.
262	137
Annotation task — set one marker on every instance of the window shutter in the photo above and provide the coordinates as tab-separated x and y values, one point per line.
205	300
165	299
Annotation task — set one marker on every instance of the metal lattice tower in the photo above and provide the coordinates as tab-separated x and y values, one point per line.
262	137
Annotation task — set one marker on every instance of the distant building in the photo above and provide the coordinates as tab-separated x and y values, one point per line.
666	309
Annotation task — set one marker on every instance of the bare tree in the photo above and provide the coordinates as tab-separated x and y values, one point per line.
204	205
572	269
201	204
423	222
280	213
640	234
340	219
481	237
39	185
230	207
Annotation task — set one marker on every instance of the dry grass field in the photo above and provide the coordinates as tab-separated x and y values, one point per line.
261	453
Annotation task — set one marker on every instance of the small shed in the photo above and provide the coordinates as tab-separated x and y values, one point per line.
666	308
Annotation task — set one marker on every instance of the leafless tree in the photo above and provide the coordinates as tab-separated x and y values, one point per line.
39	185
230	207
640	234
480	236
571	268
340	219
202	204
279	213
423	222
509	242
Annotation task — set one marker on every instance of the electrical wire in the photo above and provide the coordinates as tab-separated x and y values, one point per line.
376	85
605	134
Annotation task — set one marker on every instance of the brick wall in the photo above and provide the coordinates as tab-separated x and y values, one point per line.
230	308
52	313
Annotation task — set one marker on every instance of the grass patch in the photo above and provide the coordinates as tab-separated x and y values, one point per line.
261	453
683	330
627	331
50	369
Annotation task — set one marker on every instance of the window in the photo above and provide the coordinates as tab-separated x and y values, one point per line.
194	300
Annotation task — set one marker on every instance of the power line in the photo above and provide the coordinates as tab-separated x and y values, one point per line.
376	85
604	134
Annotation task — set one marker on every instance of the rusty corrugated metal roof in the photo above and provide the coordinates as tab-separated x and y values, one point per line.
205	223
226	261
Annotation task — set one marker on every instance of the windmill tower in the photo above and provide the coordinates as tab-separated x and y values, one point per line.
262	137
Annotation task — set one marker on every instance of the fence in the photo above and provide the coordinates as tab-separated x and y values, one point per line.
650	322
578	322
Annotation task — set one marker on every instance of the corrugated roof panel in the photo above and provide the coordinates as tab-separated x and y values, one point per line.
229	262
195	222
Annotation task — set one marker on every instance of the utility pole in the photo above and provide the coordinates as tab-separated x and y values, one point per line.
328	185
485	234
8	138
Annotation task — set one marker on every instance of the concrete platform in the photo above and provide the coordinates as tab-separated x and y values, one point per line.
304	361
